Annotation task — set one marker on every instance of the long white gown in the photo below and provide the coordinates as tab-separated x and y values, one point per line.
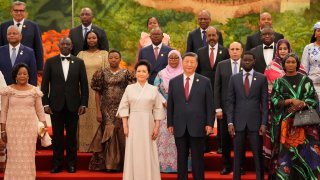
142	105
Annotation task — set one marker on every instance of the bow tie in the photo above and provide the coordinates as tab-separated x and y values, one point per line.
268	47
63	58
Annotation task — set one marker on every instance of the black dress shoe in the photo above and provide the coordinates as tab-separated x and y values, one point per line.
242	171
225	171
219	151
71	169
56	169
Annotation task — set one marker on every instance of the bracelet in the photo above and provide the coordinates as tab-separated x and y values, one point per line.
2	132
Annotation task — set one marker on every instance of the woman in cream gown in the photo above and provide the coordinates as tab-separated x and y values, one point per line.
94	59
141	110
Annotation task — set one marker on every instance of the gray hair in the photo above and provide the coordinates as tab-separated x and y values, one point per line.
18	3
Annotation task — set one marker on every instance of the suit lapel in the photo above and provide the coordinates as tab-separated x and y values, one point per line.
71	68
24	29
241	83
253	83
181	86
19	55
261	55
80	34
194	86
160	57
207	57
7	56
228	69
58	64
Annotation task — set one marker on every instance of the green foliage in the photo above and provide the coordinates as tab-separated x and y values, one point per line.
5	6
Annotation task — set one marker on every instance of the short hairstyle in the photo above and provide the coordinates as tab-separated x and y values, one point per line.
18	3
205	11
151	18
267	27
287	57
156	28
85	44
143	62
250	53
16	69
115	51
14	27
190	54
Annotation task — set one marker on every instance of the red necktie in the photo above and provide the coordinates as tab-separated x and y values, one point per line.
186	88
211	57
156	53
246	84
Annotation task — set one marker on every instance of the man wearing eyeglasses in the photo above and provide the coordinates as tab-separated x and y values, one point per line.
31	34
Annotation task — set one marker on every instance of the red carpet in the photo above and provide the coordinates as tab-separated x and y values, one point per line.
213	165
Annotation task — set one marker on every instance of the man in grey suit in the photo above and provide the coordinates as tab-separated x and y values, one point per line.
247	113
78	33
190	116
197	38
225	69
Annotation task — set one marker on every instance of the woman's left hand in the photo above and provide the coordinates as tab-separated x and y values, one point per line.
155	133
297	106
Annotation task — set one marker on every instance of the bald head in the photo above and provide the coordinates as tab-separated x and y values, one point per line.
13	35
235	50
86	16
212	36
265	20
204	19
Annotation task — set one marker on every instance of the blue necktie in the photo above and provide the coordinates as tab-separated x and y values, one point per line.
13	56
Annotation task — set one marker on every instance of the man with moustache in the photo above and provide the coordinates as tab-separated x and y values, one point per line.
208	59
247	113
78	33
31	34
156	53
197	38
15	53
265	52
65	97
225	69
190	116
255	40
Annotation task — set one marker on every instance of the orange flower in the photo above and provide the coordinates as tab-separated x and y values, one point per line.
316	147
291	136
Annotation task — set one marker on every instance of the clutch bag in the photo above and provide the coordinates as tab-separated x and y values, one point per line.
41	131
306	117
46	140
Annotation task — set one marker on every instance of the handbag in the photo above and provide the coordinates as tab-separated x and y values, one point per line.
41	131
46	140
306	117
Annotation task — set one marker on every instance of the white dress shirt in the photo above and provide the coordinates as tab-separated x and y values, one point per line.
190	81
268	54
215	51
159	47
21	24
65	66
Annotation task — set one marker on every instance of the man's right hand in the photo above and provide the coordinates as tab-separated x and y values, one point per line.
47	110
170	130
231	130
219	115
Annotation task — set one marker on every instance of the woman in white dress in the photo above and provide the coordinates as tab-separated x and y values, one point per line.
141	110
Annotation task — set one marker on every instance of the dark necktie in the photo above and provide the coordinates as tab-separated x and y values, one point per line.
63	58
85	32
18	24
186	88
268	47
204	38
247	84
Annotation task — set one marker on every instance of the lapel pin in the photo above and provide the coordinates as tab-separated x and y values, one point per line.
161	54
294	86
72	61
21	52
197	80
254	78
24	26
220	52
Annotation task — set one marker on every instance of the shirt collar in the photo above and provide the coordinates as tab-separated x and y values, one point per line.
232	61
21	22
203	29
215	46
17	46
159	46
89	27
250	72
191	77
61	55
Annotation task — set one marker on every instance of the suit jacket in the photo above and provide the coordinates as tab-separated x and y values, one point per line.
192	114
76	37
251	110
57	91
25	55
254	40
195	42
221	83
260	64
204	67
147	53
31	37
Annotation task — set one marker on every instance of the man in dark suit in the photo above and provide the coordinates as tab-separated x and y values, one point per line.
247	113
255	40
14	53
65	97
197	38
225	69
78	33
190	116
156	53
208	58
31	34
265	52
